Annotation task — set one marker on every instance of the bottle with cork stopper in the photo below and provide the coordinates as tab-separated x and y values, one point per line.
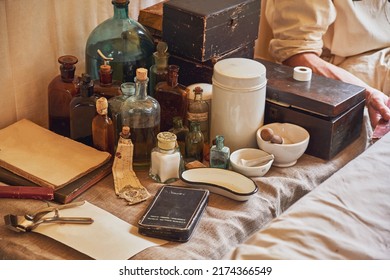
142	114
105	86
166	159
103	128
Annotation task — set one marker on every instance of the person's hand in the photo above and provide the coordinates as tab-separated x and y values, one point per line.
376	102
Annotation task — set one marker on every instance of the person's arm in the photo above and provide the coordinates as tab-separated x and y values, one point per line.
375	100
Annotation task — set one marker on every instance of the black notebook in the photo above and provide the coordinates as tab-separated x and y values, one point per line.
174	213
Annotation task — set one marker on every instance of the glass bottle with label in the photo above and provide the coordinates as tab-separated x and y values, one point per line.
115	105
172	97
122	38
103	128
142	114
61	90
159	70
181	132
82	111
194	143
105	86
198	111
219	154
166	159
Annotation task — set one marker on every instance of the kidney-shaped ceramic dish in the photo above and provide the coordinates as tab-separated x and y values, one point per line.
221	181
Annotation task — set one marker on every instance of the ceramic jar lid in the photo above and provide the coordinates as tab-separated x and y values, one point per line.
239	73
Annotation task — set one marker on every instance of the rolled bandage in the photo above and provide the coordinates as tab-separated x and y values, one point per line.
302	73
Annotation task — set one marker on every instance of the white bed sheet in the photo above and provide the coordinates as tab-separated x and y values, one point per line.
346	217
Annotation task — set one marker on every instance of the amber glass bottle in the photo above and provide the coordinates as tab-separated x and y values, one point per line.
82	112
61	90
172	97
103	128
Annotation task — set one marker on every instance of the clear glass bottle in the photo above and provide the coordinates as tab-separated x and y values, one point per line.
194	143
103	128
172	97
219	154
82	111
142	114
198	111
105	86
115	105
166	159
181	131
61	90
159	70
122	38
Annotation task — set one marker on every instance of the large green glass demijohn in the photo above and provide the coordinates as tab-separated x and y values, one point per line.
123	39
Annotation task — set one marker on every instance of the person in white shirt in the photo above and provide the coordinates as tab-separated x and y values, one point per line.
348	40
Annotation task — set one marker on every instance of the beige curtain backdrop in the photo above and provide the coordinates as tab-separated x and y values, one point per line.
33	34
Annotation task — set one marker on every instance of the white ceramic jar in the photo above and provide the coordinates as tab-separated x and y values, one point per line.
239	88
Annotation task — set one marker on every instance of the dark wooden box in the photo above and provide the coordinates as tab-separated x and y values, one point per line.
203	29
330	110
192	71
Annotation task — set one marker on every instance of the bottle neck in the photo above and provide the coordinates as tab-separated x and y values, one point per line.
173	75
198	96
121	9
141	88
86	90
219	143
67	73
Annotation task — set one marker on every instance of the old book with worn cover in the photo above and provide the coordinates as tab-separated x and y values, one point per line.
174	213
45	158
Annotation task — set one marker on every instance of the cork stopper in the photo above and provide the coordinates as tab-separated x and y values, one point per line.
166	140
125	133
105	68
142	74
102	106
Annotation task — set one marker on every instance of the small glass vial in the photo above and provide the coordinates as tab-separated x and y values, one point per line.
142	114
181	132
159	70
172	98
103	128
61	90
198	111
219	154
194	143
82	111
166	160
105	86
115	105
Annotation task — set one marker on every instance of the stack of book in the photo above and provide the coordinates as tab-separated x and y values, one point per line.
31	155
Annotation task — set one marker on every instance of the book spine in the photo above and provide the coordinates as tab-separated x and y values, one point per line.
26	192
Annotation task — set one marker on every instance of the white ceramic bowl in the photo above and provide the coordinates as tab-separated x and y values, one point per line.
249	154
296	140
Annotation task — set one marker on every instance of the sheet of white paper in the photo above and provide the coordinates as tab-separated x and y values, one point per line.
107	238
